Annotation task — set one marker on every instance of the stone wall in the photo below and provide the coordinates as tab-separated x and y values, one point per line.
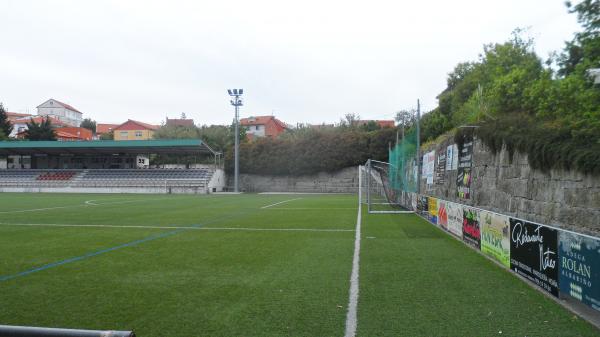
565	199
343	181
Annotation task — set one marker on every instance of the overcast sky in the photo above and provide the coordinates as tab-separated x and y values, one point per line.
303	61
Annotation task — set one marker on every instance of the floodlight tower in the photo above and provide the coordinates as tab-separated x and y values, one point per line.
236	102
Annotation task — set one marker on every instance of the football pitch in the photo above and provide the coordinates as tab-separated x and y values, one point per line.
252	265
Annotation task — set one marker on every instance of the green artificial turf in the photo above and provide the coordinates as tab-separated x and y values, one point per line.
210	274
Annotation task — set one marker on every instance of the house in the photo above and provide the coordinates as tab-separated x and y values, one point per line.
184	122
103	128
61	111
134	130
14	116
385	123
263	126
73	134
20	125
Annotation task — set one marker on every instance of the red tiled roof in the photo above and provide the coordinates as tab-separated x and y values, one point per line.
70	107
262	120
105	128
142	124
384	123
39	119
180	122
16	115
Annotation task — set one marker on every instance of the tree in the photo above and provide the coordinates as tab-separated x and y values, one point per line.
176	132
5	125
108	135
41	131
89	124
2	135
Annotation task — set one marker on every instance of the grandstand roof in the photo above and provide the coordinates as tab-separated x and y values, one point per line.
158	146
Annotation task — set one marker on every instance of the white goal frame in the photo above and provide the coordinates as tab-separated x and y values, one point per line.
374	191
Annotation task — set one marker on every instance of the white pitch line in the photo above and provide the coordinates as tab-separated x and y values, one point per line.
351	317
85	204
309	208
188	227
279	203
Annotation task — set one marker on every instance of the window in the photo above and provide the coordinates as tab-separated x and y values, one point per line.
138	133
124	134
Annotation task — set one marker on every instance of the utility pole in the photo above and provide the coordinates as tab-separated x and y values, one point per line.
419	168
236	102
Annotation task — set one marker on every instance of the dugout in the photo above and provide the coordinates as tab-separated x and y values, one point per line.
101	154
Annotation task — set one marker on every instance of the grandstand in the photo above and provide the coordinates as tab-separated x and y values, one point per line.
107	166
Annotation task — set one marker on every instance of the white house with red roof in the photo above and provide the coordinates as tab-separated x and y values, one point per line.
20	125
263	126
61	111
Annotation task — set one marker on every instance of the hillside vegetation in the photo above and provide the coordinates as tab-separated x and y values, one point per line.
509	97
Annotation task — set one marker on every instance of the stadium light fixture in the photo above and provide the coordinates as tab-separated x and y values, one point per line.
236	102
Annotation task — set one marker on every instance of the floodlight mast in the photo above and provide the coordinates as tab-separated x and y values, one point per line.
236	102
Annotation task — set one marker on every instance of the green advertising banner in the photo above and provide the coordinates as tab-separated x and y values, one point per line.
495	240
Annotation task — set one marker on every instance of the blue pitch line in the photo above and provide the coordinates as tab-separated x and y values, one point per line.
107	250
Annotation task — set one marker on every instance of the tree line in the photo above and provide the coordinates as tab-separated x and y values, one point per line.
510	98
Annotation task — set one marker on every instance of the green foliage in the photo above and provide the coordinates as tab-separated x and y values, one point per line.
520	104
89	124
108	135
42	131
548	144
5	125
309	151
2	135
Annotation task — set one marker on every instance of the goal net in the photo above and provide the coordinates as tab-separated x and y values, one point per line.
392	187
377	191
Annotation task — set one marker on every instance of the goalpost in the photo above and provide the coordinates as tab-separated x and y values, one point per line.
377	192
393	187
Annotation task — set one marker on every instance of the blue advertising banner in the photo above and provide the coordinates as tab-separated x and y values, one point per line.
534	253
580	268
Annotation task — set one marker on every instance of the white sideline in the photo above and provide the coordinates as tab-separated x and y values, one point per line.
186	227
351	317
85	204
279	203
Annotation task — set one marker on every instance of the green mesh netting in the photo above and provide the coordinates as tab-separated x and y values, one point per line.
403	164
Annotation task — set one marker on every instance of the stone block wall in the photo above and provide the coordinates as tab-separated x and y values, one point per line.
565	199
343	181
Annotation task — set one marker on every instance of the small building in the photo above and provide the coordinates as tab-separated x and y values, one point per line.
73	134
183	122
12	118
104	128
61	111
20	125
134	130
263	126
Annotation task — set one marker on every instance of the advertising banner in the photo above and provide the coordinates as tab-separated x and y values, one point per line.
442	214
579	258
432	205
422	207
495	240
451	157
534	253
440	169
464	176
428	166
471	230
455	218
